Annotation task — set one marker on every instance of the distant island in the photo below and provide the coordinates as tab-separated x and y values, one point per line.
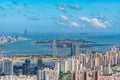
82	43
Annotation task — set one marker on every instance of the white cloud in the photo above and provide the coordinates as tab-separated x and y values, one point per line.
62	23
96	22
65	21
61	8
63	17
101	16
75	24
85	19
75	6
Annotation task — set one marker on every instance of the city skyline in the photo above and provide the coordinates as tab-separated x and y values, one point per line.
59	40
60	16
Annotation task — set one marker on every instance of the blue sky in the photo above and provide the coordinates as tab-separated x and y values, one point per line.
60	16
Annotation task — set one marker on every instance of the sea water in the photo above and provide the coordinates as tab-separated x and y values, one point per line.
103	42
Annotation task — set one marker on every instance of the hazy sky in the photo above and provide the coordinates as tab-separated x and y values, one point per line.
60	15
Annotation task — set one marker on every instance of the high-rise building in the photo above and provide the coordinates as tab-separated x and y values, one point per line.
76	64
119	57
80	67
39	63
7	67
96	61
72	50
64	51
113	49
47	74
118	48
0	53
64	65
83	51
54	48
75	49
70	64
96	75
0	68
25	33
26	67
85	75
75	75
57	66
1	46
107	70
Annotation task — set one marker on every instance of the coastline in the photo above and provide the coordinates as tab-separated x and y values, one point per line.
33	58
28	47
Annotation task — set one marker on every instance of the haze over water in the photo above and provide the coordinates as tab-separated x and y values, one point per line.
104	42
